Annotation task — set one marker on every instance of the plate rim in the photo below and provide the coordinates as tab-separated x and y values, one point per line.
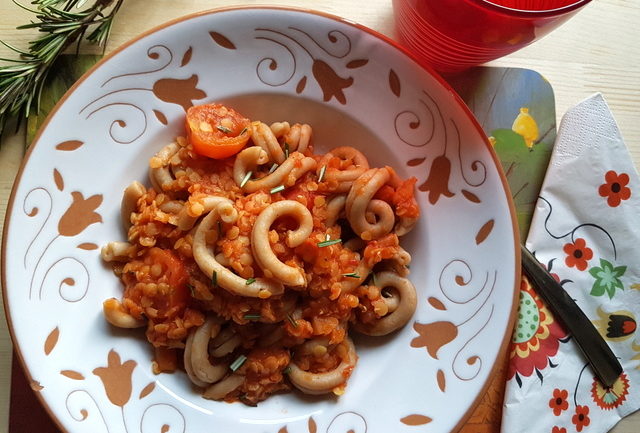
383	38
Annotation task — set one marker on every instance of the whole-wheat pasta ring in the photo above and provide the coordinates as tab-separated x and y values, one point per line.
344	178
401	302
117	251
286	174
116	315
359	203
194	209
160	173
263	136
247	160
196	355
280	128
225	278
219	390
335	208
262	252
298	137
130	202
404	225
322	383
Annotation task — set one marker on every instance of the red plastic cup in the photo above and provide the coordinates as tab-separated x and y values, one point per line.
453	35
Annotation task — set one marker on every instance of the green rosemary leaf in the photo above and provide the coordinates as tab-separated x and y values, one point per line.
321	174
214	279
250	281
252	316
351	275
291	320
277	189
329	242
245	179
235	365
22	81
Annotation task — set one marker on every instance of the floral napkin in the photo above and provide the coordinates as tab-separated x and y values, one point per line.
585	231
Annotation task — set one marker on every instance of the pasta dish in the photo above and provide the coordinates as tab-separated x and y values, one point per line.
250	258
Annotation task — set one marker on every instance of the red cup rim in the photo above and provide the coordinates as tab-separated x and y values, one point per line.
524	13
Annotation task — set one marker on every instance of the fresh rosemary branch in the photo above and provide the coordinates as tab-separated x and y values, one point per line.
61	22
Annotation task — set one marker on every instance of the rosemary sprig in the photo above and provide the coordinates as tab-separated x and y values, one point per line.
60	23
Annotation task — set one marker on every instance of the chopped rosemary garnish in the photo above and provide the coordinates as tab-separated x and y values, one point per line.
252	316
321	175
214	279
273	167
329	242
250	281
277	189
223	129
287	370
291	320
243	130
286	150
351	275
245	179
238	362
192	289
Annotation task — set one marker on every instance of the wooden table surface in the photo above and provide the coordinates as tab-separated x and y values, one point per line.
596	51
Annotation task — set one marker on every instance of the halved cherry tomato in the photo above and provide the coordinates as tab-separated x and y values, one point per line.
217	131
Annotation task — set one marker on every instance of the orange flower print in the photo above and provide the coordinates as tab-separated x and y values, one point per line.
577	254
116	378
557	429
80	214
581	417
437	183
332	84
608	398
536	337
615	190
559	401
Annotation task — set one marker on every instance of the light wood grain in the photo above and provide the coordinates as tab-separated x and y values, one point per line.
597	51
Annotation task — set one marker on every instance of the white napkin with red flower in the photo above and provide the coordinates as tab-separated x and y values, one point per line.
585	230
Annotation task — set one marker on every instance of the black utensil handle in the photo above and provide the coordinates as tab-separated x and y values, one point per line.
593	346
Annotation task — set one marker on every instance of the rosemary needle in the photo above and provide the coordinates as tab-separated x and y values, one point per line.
59	25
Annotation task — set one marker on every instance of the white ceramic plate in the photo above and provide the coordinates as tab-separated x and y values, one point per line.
354	87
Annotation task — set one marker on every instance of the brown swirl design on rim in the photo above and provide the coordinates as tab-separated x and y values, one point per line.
117	382
35	210
67	281
434	336
162	407
82	413
153	53
330	82
459	272
78	216
333	36
410	120
475	165
171	90
348	418
122	124
474	359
